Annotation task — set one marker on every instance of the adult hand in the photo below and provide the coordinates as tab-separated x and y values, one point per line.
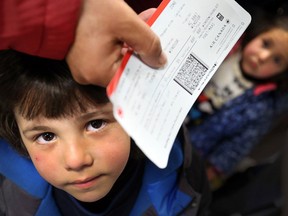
103	28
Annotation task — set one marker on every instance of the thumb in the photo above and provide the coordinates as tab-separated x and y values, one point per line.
143	40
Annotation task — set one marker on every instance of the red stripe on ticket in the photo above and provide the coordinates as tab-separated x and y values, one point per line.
114	82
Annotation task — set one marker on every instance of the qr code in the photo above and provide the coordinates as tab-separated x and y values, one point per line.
190	74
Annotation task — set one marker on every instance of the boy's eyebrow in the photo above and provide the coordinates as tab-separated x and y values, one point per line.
36	128
96	113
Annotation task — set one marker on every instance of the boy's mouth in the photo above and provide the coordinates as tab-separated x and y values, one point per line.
87	182
251	63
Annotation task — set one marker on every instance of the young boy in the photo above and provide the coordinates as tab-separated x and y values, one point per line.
85	163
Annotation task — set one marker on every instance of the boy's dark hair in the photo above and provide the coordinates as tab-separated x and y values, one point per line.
263	22
39	87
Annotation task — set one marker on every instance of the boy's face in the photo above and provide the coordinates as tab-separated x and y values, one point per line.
83	155
266	55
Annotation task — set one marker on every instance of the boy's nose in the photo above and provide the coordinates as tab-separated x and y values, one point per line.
77	157
264	55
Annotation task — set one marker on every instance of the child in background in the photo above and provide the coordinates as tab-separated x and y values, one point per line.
73	158
240	102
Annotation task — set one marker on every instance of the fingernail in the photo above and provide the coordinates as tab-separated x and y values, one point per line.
163	59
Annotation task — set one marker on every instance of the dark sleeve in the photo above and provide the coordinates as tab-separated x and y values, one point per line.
195	171
13	199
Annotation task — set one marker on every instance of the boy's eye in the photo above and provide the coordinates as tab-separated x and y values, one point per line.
265	43
45	137
96	125
277	60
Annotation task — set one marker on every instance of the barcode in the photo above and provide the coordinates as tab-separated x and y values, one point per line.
190	73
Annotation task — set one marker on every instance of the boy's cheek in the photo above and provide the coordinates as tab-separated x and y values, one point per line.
37	158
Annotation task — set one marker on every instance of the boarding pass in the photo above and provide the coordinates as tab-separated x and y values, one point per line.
151	104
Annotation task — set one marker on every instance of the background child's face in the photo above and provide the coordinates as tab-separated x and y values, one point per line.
267	54
83	155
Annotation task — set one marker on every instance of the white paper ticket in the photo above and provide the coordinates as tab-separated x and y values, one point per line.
152	104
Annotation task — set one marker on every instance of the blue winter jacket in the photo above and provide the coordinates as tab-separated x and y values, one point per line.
227	136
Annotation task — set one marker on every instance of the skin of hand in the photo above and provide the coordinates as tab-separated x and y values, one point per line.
104	28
